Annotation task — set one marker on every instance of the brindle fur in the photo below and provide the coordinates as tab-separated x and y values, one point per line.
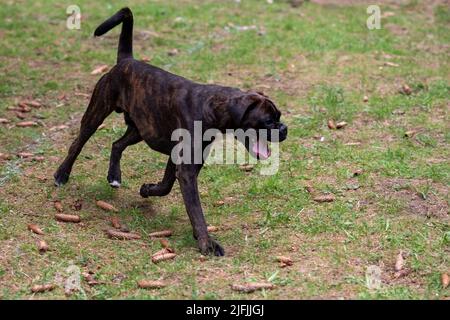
155	103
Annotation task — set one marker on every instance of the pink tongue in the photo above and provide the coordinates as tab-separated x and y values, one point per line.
261	149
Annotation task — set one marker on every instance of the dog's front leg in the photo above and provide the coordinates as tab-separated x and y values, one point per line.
187	177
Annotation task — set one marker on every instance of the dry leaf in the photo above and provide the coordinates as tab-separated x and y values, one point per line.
410	133
159	234
358	172
100	69
151	284
391	64
106	206
173	52
4	156
324	198
405	89
24	155
58	206
164	242
341	125
24	124
251	287
42	246
115	222
163	257
286	261
90	279
67	217
331	124
42	288
35	229
78	204
399	262
247	167
114	234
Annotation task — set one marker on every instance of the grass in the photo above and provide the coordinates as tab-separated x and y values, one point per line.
317	62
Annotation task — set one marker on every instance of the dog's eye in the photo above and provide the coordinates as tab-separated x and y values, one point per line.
269	122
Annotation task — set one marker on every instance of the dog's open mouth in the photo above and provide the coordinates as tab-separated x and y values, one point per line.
261	149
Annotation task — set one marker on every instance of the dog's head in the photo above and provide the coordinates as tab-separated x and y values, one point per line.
254	110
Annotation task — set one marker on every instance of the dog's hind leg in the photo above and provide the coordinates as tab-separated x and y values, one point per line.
164	187
130	137
96	112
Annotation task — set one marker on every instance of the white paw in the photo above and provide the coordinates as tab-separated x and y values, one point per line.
115	184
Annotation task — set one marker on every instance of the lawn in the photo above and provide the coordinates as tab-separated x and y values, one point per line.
388	168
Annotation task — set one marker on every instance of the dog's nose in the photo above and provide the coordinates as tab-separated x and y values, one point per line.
283	132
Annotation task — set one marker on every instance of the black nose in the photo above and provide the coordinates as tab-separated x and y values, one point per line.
283	132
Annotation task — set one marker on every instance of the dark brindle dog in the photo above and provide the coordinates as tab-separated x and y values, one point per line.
155	103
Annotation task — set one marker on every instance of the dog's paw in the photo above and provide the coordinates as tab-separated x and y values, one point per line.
61	178
153	190
147	190
210	246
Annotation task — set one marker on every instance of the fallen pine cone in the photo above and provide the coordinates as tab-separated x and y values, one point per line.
161	234
67	217
341	125
42	246
115	222
58	206
251	287
3	120
163	257
358	172
100	69
42	288
163	251
20	115
331	124
33	103
366	99
151	284
445	280
212	228
284	261
324	198
35	229
24	124
106	206
114	234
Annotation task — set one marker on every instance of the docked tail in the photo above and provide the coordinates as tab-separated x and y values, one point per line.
124	16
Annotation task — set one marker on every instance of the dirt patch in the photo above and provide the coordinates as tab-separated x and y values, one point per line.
422	197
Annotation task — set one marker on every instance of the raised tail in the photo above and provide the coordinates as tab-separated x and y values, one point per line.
124	16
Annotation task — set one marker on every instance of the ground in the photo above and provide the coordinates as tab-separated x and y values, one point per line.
317	61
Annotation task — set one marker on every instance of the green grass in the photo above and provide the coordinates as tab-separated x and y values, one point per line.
317	63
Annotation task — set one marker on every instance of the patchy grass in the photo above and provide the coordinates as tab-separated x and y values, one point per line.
317	62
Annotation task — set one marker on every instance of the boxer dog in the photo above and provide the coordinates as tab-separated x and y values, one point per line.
155	103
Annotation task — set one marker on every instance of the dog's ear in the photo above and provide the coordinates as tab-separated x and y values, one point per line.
240	106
